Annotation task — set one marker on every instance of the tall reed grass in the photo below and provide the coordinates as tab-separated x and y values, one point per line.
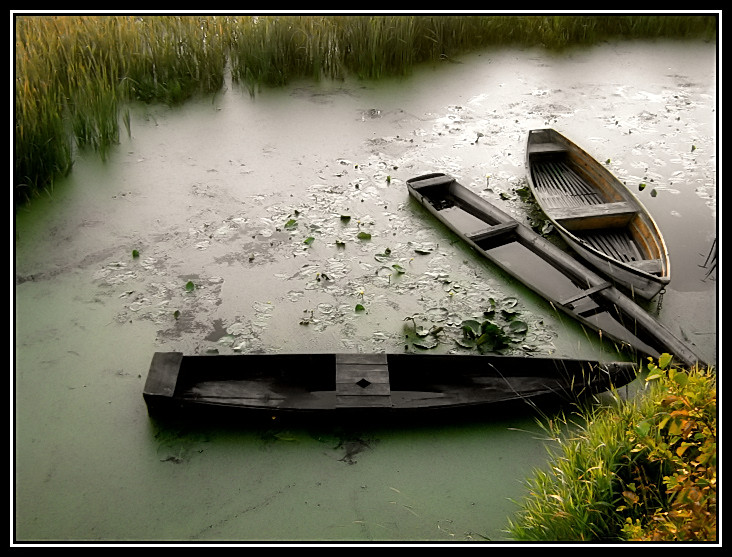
74	74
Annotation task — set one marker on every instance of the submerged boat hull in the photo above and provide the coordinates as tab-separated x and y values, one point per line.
271	384
596	214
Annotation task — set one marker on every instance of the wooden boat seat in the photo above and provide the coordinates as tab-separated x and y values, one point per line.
492	232
541	148
653	266
442	180
601	215
362	381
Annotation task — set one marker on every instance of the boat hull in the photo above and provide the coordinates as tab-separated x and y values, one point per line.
316	384
596	214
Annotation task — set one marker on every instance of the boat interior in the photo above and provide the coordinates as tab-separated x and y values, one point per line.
590	209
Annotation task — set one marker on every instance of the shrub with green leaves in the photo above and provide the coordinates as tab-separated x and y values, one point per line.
641	469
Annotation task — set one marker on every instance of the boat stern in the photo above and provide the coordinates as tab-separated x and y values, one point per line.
161	380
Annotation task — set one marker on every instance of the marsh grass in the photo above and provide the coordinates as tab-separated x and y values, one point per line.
74	74
643	468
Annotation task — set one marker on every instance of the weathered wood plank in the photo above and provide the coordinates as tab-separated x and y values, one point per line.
618	208
362	401
648	265
436	181
493	231
537	148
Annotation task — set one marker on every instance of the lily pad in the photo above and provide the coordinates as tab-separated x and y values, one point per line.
381	256
190	287
518	327
471	328
426	343
363	236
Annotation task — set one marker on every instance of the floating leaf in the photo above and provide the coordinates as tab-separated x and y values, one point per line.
641	187
426	342
290	224
518	327
364	236
309	240
607	161
345	218
471	328
422	251
493	337
399	269
654	193
135	253
693	148
340	243
466	342
190	286
176	314
381	256
359	307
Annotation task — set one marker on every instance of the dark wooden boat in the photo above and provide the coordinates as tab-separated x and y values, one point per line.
316	383
568	284
596	214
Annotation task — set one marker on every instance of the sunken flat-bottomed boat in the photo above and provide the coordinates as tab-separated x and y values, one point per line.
273	384
596	214
566	282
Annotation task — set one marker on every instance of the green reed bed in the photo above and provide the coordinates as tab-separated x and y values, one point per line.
643	469
75	74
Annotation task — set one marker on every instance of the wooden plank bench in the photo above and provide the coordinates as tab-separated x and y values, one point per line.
492	232
431	182
653	266
601	215
540	148
362	381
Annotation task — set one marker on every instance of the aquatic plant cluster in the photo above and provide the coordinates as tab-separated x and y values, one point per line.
74	74
641	469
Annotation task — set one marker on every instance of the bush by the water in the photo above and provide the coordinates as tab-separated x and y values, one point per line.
640	469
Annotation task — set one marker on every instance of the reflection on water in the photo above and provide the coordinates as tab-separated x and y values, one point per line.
287	212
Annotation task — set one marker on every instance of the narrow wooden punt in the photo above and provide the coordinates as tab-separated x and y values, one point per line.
596	214
276	384
568	284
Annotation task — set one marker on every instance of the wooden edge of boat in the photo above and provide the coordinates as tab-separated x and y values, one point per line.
619	212
348	372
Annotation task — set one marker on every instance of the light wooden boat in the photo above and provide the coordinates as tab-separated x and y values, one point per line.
596	214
